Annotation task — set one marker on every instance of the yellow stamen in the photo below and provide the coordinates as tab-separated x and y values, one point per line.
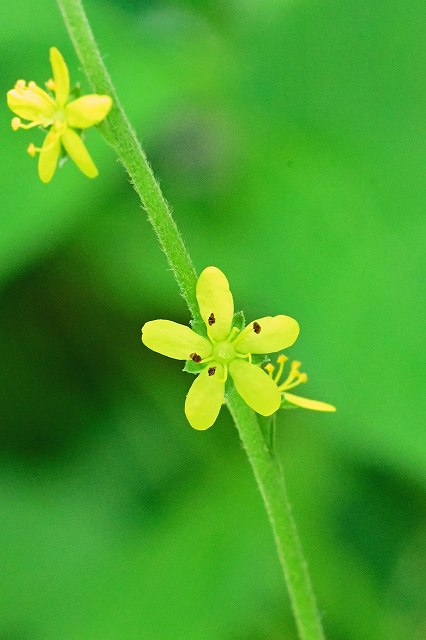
18	124
50	84
32	149
244	355
281	360
225	374
294	373
270	368
235	331
20	84
302	377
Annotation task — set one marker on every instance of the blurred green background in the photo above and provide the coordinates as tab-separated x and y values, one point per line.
289	137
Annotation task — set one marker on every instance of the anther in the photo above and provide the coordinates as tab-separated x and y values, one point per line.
16	123
256	327
282	358
50	84
195	357
269	368
211	319
211	371
32	150
20	84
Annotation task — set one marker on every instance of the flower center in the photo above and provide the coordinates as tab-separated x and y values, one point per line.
223	352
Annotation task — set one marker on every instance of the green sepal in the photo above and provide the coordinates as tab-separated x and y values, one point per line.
239	320
193	367
199	327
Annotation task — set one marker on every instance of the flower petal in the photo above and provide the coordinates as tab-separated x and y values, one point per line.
205	397
77	151
305	403
49	156
267	335
32	104
61	76
255	387
87	111
174	340
215	302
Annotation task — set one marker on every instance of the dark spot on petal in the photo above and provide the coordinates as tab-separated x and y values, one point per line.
256	327
195	357
211	319
211	371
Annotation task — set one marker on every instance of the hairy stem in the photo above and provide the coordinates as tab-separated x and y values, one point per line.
119	133
270	482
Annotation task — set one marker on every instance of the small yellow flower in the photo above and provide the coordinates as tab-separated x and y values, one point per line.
294	378
225	350
60	116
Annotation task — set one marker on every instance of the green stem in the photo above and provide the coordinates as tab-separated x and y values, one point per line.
270	482
119	133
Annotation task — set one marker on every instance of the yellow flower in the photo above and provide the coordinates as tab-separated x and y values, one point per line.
54	111
294	378
225	350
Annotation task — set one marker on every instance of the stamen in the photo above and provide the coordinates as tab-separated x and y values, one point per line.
295	377
234	332
32	150
281	360
20	84
211	319
211	371
256	327
50	85
244	355
225	374
299	380
18	124
270	369
195	357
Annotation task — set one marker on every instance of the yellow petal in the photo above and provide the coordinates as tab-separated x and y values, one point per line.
205	397
77	151
267	335
49	156
255	387
174	340
87	110
215	302
32	104
61	76
305	403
